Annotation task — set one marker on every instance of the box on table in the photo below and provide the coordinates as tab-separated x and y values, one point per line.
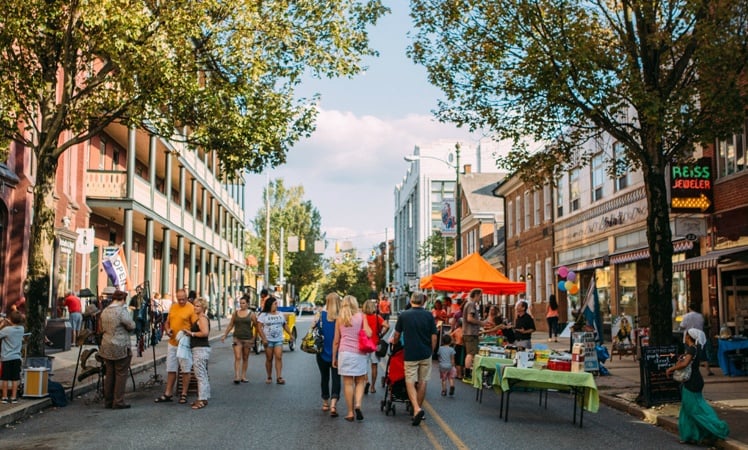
35	382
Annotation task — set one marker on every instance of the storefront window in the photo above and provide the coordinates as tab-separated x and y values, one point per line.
602	280
627	301
680	297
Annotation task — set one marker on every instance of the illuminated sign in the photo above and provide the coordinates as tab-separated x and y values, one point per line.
691	187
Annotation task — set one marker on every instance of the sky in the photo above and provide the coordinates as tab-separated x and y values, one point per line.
351	164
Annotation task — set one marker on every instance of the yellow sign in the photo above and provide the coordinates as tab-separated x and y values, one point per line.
701	202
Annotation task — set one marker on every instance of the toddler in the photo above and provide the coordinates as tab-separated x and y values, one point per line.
11	336
447	365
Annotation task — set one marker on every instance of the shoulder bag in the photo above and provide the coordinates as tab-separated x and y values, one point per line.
682	375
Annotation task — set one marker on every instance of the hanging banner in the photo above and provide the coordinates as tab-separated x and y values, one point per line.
449	222
115	267
85	242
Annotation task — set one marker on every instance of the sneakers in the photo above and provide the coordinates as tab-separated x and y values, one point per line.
14	400
5	400
451	390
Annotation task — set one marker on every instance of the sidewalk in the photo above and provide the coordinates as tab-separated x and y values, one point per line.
728	395
63	369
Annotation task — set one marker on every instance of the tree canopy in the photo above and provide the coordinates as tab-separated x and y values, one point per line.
656	77
219	74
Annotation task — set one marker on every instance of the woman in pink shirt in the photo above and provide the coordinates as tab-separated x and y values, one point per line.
351	362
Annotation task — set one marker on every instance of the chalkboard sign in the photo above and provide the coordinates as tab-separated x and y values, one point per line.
656	387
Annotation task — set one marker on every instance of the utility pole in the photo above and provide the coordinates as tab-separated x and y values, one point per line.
458	199
266	281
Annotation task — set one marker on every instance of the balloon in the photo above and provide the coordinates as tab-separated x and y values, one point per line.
562	286
563	271
574	289
571	276
568	285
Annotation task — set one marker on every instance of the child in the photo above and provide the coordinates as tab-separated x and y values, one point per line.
11	336
456	336
447	365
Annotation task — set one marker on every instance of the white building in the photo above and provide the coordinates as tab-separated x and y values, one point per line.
429	181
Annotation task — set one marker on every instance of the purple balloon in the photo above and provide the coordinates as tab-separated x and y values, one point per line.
571	276
562	286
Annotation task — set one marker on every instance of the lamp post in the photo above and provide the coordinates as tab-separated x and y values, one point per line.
456	166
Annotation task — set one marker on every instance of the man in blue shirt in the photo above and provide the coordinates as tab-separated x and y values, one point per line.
419	329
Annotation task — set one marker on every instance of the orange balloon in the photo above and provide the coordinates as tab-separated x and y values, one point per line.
574	289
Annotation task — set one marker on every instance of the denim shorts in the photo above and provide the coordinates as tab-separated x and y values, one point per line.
272	344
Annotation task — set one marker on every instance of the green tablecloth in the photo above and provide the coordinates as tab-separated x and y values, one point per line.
553	379
488	363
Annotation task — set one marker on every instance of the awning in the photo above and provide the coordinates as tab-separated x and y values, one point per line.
643	253
585	265
710	260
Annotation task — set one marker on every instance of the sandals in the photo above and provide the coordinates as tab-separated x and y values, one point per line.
182	399
325	406
236	381
244	380
163	399
280	381
333	411
200	404
373	389
269	380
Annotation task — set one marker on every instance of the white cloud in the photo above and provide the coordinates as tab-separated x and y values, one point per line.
349	168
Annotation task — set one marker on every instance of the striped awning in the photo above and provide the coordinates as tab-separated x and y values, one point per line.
710	260
643	253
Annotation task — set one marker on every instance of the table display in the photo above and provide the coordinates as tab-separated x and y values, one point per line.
487	365
727	362
581	384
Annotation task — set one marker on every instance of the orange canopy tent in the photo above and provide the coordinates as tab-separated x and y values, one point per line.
469	273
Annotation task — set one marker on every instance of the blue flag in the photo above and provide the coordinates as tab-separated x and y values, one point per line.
592	314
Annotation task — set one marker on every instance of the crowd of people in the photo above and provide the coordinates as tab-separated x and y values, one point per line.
448	333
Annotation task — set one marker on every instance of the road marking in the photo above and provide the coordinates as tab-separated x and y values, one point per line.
435	444
444	427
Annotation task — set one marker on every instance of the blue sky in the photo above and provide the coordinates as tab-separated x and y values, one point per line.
351	164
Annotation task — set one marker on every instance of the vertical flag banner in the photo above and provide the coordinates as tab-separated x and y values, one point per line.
449	221
592	311
116	268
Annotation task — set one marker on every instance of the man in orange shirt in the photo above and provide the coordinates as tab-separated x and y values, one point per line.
181	317
384	307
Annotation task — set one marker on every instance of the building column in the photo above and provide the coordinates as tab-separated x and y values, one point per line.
152	168
167	184
166	262
203	271
180	261
128	236
193	262
182	193
148	267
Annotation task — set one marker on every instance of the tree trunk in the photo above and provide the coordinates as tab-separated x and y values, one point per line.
40	251
657	311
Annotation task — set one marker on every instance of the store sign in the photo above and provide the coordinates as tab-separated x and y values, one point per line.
691	187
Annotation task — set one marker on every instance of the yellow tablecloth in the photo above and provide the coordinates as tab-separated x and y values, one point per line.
488	363
553	379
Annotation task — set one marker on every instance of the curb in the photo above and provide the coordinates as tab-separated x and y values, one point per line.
667	423
31	406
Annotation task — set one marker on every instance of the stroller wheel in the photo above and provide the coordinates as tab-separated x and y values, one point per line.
381	405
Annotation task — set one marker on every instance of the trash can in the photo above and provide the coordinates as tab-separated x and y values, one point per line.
35	382
60	333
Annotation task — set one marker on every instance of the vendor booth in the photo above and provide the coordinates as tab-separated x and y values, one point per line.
469	273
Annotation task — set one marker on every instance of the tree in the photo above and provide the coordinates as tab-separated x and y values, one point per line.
658	77
216	74
439	248
348	277
297	217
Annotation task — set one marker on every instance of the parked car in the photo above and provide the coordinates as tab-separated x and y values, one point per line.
306	308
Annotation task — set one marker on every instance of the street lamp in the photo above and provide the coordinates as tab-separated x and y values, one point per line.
456	166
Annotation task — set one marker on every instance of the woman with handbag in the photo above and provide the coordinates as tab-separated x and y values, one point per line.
346	356
379	328
697	420
325	323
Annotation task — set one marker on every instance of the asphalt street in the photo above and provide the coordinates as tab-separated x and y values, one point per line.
259	415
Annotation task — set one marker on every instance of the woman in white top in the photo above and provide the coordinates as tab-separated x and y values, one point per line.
272	324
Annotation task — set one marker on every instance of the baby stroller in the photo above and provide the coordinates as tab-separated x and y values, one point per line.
394	381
